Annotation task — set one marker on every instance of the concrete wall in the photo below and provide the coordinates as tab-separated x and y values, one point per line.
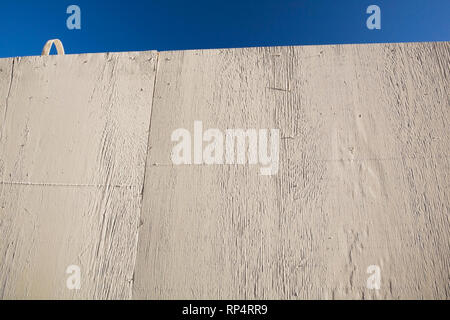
86	176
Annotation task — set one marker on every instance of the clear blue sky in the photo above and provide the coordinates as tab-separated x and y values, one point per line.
128	25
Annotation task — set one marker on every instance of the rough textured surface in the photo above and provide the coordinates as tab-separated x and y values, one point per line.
72	158
6	73
363	177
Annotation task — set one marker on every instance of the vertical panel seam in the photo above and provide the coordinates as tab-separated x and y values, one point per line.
145	173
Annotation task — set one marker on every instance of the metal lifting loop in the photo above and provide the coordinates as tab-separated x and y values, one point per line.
48	47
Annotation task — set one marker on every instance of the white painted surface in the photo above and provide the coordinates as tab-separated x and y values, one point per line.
72	156
363	179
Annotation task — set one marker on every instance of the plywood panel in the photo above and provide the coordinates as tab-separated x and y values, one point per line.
73	154
363	178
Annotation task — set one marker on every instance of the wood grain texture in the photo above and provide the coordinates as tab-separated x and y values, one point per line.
73	153
363	178
6	73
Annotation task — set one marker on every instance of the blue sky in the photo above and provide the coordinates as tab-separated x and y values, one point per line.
129	25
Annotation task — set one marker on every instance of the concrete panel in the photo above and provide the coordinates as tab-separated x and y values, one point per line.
363	177
6	73
73	150
44	230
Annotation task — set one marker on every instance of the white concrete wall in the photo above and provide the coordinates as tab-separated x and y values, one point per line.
72	157
363	177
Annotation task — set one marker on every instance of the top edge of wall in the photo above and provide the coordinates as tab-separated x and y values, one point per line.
227	49
85	54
